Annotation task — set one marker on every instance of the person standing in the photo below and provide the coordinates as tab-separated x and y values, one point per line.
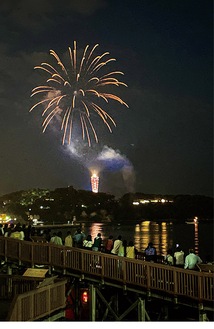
56	239
6	230
16	234
109	244
52	240
131	251
69	240
78	238
1	230
59	238
97	243
169	257
87	243
22	234
192	260
123	249
47	235
150	253
179	257
117	245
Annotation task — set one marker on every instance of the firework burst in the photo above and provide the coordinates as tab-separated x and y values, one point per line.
74	92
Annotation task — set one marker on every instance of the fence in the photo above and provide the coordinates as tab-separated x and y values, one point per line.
134	272
38	303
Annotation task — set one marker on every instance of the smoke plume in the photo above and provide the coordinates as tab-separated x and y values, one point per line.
107	159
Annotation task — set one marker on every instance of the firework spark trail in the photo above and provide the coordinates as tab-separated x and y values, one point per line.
75	89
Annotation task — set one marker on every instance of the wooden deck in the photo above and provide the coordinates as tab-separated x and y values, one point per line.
35	304
196	285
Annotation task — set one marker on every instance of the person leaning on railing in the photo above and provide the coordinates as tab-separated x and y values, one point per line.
192	260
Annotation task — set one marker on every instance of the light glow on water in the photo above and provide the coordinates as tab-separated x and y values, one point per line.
164	235
196	239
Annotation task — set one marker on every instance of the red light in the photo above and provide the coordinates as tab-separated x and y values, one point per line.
85	297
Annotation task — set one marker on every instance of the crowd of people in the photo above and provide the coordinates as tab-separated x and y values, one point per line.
117	246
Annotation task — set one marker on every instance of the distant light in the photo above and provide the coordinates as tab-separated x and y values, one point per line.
94	183
196	219
85	297
83	206
135	203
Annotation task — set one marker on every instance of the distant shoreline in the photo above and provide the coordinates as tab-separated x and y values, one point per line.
81	222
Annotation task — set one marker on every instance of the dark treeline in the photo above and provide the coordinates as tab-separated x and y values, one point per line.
181	208
62	204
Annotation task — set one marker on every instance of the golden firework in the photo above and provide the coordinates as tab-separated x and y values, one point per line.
77	88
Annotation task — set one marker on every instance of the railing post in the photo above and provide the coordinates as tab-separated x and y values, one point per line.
175	276
32	255
5	251
64	253
200	290
10	282
19	309
148	277
141	310
50	257
202	314
102	265
49	253
32	309
77	301
49	299
82	255
148	282
92	302
9	270
20	256
124	267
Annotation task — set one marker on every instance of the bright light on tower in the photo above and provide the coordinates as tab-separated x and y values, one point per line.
94	183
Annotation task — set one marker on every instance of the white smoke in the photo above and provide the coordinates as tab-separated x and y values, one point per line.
107	159
108	153
123	164
73	150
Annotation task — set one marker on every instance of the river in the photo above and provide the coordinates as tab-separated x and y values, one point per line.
164	235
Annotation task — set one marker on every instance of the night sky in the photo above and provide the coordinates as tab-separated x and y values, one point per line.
163	143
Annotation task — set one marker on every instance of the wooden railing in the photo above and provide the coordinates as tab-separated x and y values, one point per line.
206	267
16	284
133	272
38	303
